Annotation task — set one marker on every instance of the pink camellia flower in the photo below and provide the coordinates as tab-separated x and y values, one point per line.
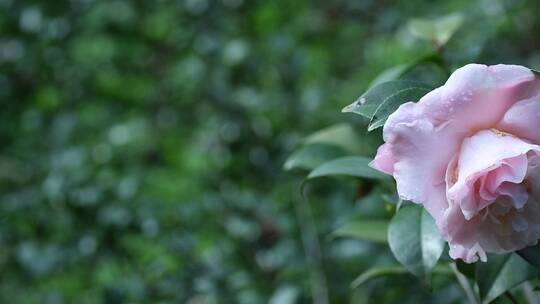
469	152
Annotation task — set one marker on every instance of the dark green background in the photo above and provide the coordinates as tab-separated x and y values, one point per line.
142	143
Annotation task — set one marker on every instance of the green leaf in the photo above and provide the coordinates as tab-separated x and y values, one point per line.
344	136
376	272
438	30
311	156
415	240
379	271
531	254
537	72
355	166
397	71
500	274
368	230
383	99
390	74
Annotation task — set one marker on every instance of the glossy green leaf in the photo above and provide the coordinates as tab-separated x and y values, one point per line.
344	136
380	271
415	240
355	166
311	156
535	71
390	74
531	254
383	99
500	274
376	272
398	71
368	230
438	30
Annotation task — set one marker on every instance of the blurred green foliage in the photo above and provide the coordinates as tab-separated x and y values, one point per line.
142	143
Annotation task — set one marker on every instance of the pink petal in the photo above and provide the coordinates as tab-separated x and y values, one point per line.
484	152
383	161
416	153
469	255
420	152
475	89
523	119
470	239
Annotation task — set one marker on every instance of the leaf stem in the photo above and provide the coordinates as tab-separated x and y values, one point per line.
464	284
528	292
511	297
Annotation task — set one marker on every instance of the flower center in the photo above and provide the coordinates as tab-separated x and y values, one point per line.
502	133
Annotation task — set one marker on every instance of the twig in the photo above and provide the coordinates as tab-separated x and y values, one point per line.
312	250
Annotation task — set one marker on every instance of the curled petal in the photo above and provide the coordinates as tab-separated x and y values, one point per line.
523	119
469	255
490	155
